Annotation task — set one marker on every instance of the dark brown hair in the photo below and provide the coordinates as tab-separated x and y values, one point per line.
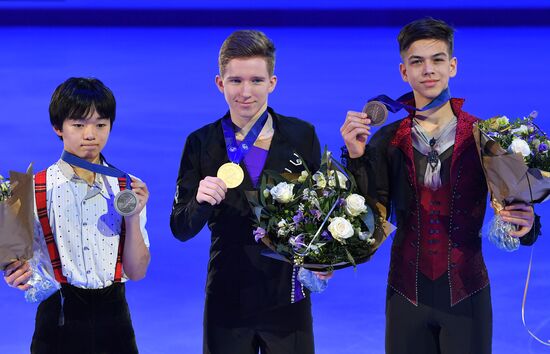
426	28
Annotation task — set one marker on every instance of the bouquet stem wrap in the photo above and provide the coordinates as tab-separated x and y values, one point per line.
509	180
16	220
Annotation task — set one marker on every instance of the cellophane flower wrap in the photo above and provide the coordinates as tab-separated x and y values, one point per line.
516	162
316	219
16	218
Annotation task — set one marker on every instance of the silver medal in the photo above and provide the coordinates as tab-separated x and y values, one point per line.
126	202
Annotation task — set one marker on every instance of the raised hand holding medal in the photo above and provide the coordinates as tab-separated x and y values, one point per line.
231	173
126	202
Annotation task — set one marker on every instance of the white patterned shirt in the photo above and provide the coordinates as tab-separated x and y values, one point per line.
86	228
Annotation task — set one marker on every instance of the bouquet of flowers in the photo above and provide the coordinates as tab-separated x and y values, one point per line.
4	189
316	220
16	217
516	160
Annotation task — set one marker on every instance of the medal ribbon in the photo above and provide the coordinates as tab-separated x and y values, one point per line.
396	105
101	169
237	151
547	342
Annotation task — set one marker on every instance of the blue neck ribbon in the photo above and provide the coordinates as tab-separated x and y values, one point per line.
101	169
236	151
396	105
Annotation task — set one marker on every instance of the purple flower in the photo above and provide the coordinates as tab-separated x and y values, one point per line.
326	193
326	235
341	202
543	147
316	214
298	217
297	241
259	233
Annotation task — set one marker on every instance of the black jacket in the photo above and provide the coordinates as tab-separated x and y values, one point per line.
241	282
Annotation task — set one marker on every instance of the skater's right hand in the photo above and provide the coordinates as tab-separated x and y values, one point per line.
355	131
211	190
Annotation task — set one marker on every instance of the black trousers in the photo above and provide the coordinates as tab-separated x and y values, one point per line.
434	327
284	330
91	321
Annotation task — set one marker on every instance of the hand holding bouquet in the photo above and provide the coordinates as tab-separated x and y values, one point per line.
315	219
516	161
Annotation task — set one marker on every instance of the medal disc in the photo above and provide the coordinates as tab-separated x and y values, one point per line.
377	112
126	202
231	173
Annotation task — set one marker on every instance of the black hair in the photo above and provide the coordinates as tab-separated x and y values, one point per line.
426	28
78	98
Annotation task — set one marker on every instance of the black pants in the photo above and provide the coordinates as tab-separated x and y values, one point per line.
434	327
245	340
284	330
95	321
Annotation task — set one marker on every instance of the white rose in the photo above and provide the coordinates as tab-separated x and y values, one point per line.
320	180
303	176
355	205
282	192
340	228
520	146
522	130
342	179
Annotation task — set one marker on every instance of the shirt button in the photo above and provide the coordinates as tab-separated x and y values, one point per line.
83	202
86	248
88	271
84	224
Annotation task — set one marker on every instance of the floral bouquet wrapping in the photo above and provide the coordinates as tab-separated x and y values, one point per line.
316	220
16	217
515	159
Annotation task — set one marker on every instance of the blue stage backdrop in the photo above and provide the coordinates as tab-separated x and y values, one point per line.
163	79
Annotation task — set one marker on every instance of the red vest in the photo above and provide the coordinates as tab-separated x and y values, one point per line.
434	238
465	201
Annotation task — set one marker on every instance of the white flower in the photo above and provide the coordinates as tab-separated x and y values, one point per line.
365	236
520	146
503	121
355	205
266	192
303	176
522	130
320	181
282	223
282	192
342	179
340	228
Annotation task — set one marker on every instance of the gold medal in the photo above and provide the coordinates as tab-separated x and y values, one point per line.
231	173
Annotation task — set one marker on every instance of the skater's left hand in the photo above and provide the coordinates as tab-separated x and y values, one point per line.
522	215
